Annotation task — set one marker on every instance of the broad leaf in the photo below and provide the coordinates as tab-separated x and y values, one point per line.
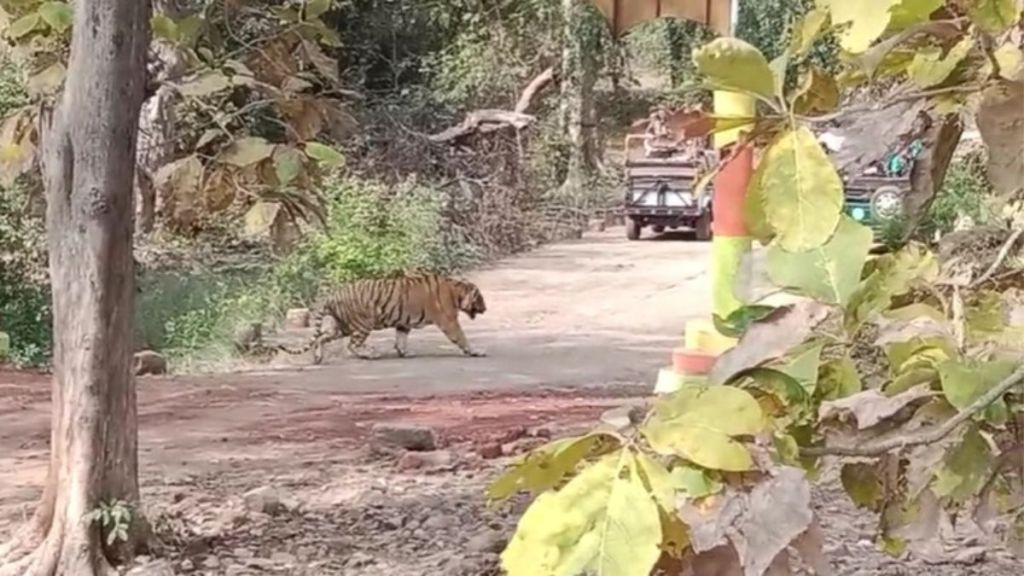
871	406
544	468
817	93
732	64
909	12
325	65
315	8
693	482
703	430
287	164
324	154
965	382
839	379
930	66
247	151
164	28
994	16
1010	60
24	26
741	318
864	21
830	273
1000	116
863	484
801	191
205	84
802	366
806	30
965	468
58	15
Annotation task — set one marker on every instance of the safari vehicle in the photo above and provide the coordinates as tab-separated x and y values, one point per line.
660	186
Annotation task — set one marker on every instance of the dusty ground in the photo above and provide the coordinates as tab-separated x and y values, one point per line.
571	330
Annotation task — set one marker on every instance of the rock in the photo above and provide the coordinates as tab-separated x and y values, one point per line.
438	459
542	431
971	555
264	500
439	522
242	553
158	568
407	436
624	416
487	541
236	570
522	446
187	565
296	319
359	559
149	362
490	450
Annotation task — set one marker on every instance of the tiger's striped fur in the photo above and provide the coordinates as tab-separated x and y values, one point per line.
404	302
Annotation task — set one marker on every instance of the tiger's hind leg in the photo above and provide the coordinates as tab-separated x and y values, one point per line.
359	348
454	332
402	341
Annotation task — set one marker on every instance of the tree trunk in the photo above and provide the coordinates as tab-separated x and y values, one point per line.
156	126
89	141
578	78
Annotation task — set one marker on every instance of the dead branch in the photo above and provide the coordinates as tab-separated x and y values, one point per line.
929	436
1000	258
490	120
531	90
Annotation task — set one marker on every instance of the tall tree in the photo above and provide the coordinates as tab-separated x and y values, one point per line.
89	144
579	75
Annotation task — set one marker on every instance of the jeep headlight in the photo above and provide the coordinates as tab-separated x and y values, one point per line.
887	203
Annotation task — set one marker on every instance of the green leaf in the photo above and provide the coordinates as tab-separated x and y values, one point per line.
287	164
965	382
693	482
47	82
753	211
839	379
205	84
703	429
930	67
164	28
801	191
602	522
829	273
189	30
784	386
24	26
806	31
315	8
919	352
802	366
545	467
779	67
741	318
863	484
657	480
732	64
965	468
865	21
324	154
246	151
58	15
906	13
994	16
1010	60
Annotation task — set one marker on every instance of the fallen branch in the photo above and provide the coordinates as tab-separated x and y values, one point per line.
927	437
1000	258
489	120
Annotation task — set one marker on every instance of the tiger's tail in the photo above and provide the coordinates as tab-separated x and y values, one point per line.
318	332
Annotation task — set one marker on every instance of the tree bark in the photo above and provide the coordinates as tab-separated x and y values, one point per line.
89	145
578	79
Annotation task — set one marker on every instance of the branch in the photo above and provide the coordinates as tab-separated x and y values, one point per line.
1000	257
484	121
928	437
531	90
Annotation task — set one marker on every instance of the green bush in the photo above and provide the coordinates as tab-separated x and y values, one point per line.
371	231
963	193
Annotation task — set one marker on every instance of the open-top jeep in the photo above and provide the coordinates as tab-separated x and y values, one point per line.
660	185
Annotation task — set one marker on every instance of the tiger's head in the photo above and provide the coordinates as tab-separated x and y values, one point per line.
471	301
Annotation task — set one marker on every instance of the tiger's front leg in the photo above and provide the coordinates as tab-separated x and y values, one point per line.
454	333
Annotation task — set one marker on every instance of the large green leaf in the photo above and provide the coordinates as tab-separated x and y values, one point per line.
58	15
930	66
604	521
994	16
864	21
732	64
908	12
839	379
24	25
965	382
703	429
324	154
831	272
287	164
545	467
965	468
817	93
801	191
864	484
806	30
802	366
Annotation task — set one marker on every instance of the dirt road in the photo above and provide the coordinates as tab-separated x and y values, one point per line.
571	330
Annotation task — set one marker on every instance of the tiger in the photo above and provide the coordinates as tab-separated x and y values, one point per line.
411	300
